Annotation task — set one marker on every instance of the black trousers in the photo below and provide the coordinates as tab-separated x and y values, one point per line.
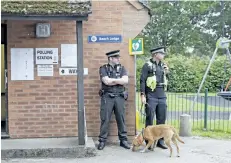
158	107
108	105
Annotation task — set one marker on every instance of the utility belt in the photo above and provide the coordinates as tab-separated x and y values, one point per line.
157	87
160	85
123	94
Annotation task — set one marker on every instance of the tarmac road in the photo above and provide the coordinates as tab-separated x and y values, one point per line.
218	102
198	115
212	101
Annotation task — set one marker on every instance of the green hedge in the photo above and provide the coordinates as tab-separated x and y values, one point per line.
186	73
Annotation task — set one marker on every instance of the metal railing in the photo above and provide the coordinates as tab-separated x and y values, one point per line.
210	112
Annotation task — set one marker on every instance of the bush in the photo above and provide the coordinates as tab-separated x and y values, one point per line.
186	73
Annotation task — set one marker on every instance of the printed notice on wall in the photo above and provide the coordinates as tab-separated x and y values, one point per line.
45	70
22	64
68	55
46	55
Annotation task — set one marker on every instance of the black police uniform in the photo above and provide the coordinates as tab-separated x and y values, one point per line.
156	100
112	99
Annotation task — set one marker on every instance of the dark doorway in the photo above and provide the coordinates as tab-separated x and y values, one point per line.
4	103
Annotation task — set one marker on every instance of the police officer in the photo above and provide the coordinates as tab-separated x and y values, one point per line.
113	77
153	83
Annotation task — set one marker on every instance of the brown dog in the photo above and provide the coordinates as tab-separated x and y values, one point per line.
153	134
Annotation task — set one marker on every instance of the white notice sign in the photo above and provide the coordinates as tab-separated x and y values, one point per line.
45	70
22	63
71	71
68	55
46	55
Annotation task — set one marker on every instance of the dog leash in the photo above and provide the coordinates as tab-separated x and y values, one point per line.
142	132
142	108
143	115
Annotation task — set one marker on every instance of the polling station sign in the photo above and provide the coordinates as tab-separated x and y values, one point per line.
105	38
46	56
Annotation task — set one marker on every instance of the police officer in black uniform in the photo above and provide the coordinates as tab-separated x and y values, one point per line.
153	82
113	76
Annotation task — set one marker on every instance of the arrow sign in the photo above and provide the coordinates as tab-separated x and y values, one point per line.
71	71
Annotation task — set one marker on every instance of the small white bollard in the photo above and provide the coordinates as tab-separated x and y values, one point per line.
185	125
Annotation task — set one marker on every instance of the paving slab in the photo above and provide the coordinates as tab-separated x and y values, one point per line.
46	147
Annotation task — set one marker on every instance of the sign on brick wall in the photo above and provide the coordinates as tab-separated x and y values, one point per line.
105	39
46	55
22	64
71	71
136	46
68	55
45	70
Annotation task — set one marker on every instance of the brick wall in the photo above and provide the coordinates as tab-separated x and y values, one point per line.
119	17
47	106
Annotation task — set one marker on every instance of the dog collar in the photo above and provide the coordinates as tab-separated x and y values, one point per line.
142	133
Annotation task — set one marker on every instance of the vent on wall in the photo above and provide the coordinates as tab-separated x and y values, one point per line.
43	30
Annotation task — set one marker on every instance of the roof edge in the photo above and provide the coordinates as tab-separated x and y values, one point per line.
43	17
47	8
145	4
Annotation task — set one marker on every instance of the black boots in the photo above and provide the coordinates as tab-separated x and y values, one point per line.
122	144
101	145
125	144
161	144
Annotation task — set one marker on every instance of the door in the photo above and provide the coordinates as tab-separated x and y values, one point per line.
4	104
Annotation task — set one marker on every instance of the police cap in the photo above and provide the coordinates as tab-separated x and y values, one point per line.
113	53
158	50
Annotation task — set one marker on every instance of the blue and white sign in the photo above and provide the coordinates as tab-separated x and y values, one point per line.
105	39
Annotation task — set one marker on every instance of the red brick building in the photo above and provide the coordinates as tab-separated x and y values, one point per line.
47	106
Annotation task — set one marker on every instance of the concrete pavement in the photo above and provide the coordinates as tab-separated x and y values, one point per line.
196	150
47	148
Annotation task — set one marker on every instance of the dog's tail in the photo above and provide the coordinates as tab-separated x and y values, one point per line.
177	135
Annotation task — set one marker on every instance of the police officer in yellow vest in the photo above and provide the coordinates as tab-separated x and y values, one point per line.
153	84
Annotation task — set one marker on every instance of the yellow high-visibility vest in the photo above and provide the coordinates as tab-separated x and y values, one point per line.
151	81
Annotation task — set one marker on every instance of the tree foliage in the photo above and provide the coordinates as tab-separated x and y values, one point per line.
186	73
187	26
189	31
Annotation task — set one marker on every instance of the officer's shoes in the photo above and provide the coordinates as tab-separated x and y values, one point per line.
125	144
101	145
161	144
